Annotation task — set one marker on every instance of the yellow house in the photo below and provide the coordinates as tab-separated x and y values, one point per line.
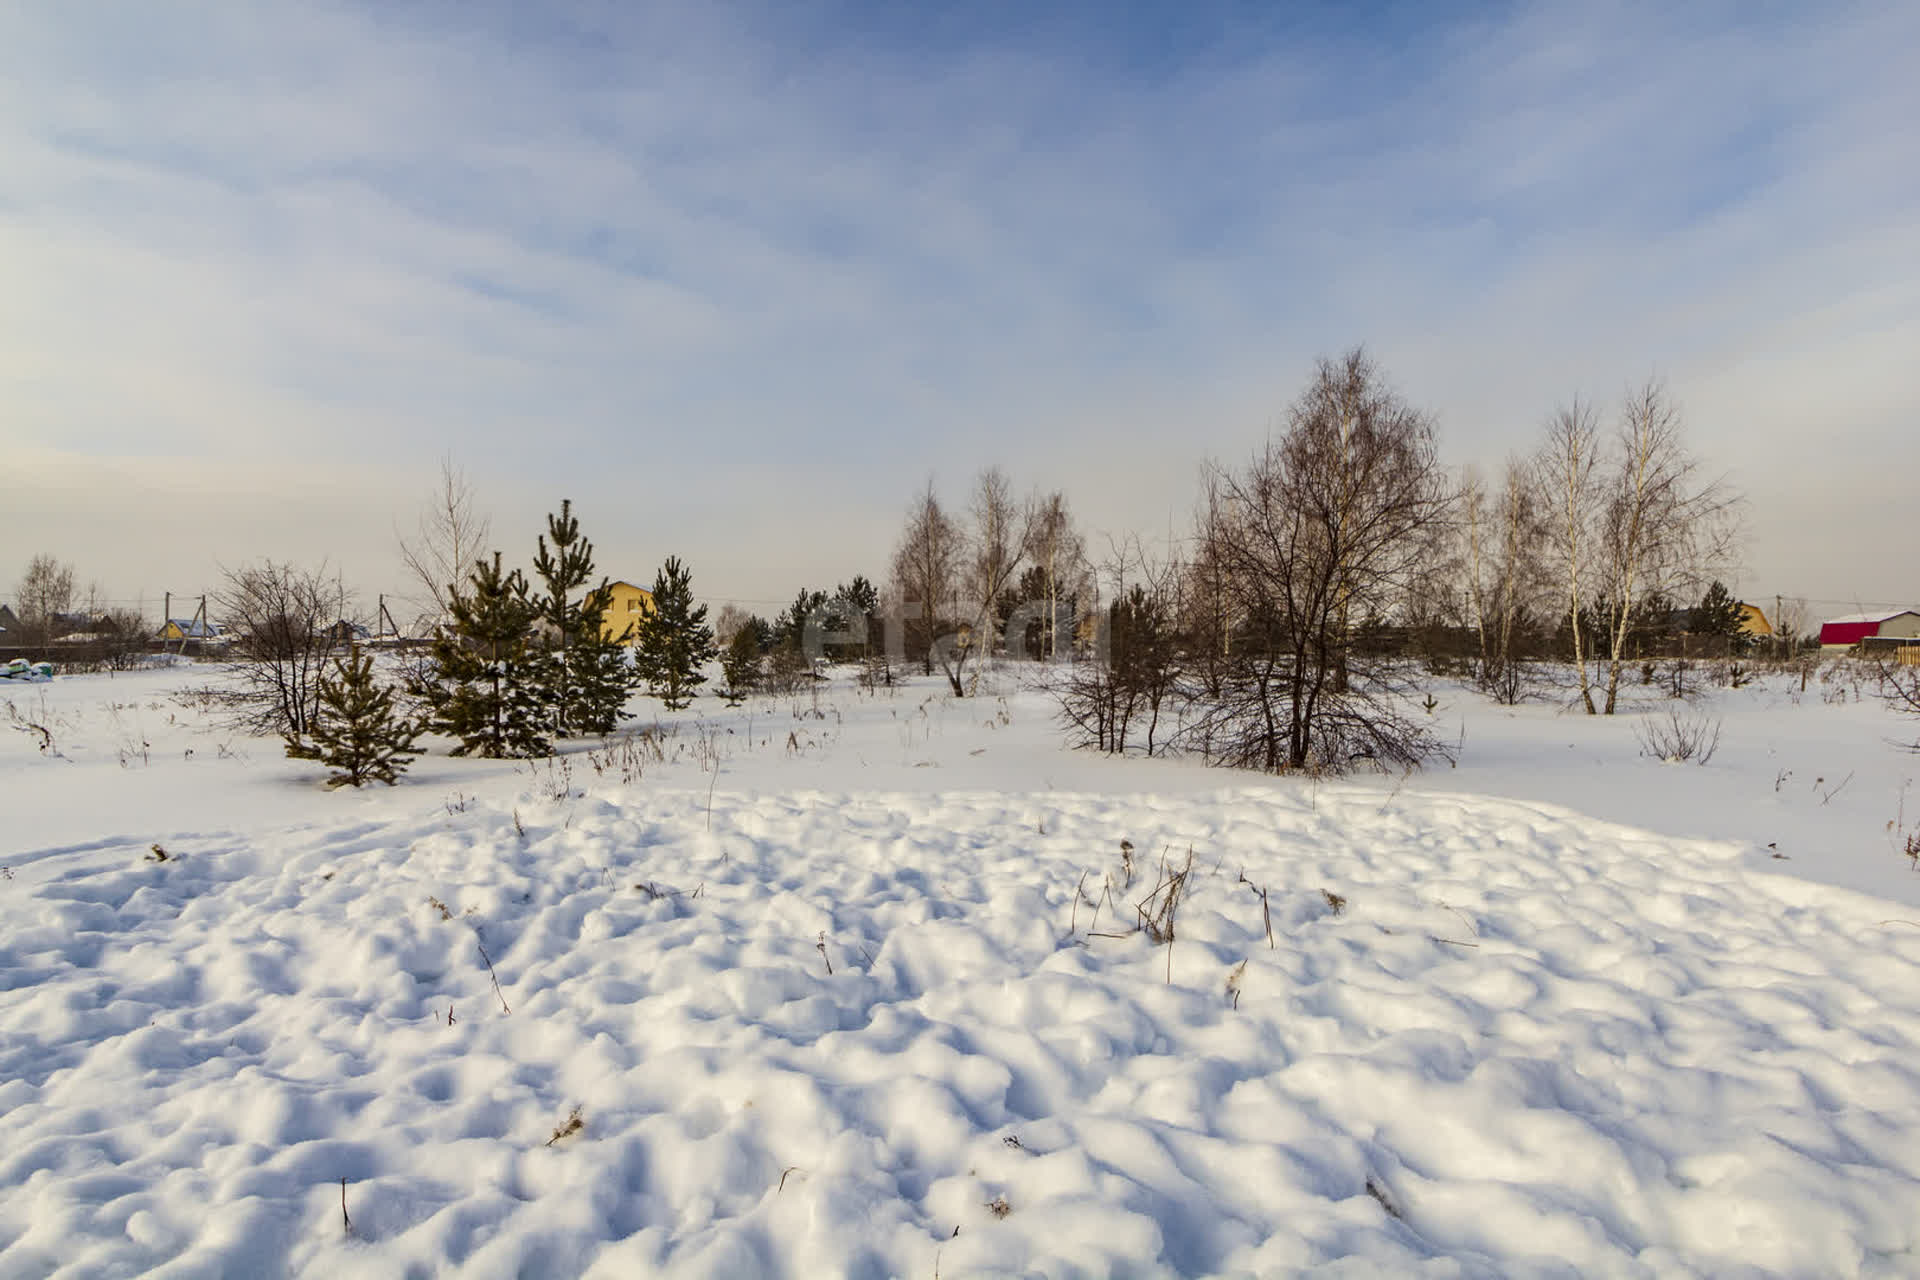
1753	622
624	611
192	629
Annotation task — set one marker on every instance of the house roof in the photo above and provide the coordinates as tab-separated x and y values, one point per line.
1883	615
194	628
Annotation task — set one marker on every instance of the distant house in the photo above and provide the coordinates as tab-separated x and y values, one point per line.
1753	622
192	629
345	632
80	626
624	611
8	621
1884	629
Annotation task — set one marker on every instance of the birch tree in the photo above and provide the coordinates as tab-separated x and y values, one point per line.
1664	524
1501	532
448	540
1568	473
925	564
1061	556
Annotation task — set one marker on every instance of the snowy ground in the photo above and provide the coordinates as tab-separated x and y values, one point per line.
1559	1010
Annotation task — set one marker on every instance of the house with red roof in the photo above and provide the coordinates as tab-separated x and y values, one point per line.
1886	629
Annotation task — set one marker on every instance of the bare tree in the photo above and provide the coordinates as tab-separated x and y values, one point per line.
1790	616
728	622
1475	532
1503	572
1002	536
284	618
1568	473
45	590
1664	525
1002	540
1900	691
123	636
926	564
449	539
1060	554
1135	671
1325	526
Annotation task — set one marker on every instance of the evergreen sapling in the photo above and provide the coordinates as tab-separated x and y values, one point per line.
480	692
740	664
358	731
674	640
581	677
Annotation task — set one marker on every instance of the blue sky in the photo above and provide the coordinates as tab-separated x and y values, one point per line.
738	279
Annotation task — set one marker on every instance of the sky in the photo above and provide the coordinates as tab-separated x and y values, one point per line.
740	279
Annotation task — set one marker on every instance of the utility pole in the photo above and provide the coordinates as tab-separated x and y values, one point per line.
166	620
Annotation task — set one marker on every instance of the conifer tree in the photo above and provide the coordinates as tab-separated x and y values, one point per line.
357	729
603	672
481	693
582	677
674	640
1719	614
740	664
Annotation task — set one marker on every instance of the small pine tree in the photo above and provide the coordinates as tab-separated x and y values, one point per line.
1719	614
857	603
604	677
358	730
740	664
582	677
481	692
674	640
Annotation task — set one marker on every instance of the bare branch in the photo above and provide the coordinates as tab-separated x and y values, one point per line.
450	537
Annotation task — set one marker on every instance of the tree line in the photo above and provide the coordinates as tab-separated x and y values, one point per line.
514	663
1322	578
1326	575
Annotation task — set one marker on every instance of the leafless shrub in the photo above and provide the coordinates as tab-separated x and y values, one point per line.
708	750
1134	675
1160	909
1904	838
789	670
1678	738
37	723
624	757
283	617
876	673
553	778
1900	691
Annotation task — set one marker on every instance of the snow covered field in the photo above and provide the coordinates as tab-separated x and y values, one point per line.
851	984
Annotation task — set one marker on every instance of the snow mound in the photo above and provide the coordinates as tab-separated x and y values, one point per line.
869	1035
